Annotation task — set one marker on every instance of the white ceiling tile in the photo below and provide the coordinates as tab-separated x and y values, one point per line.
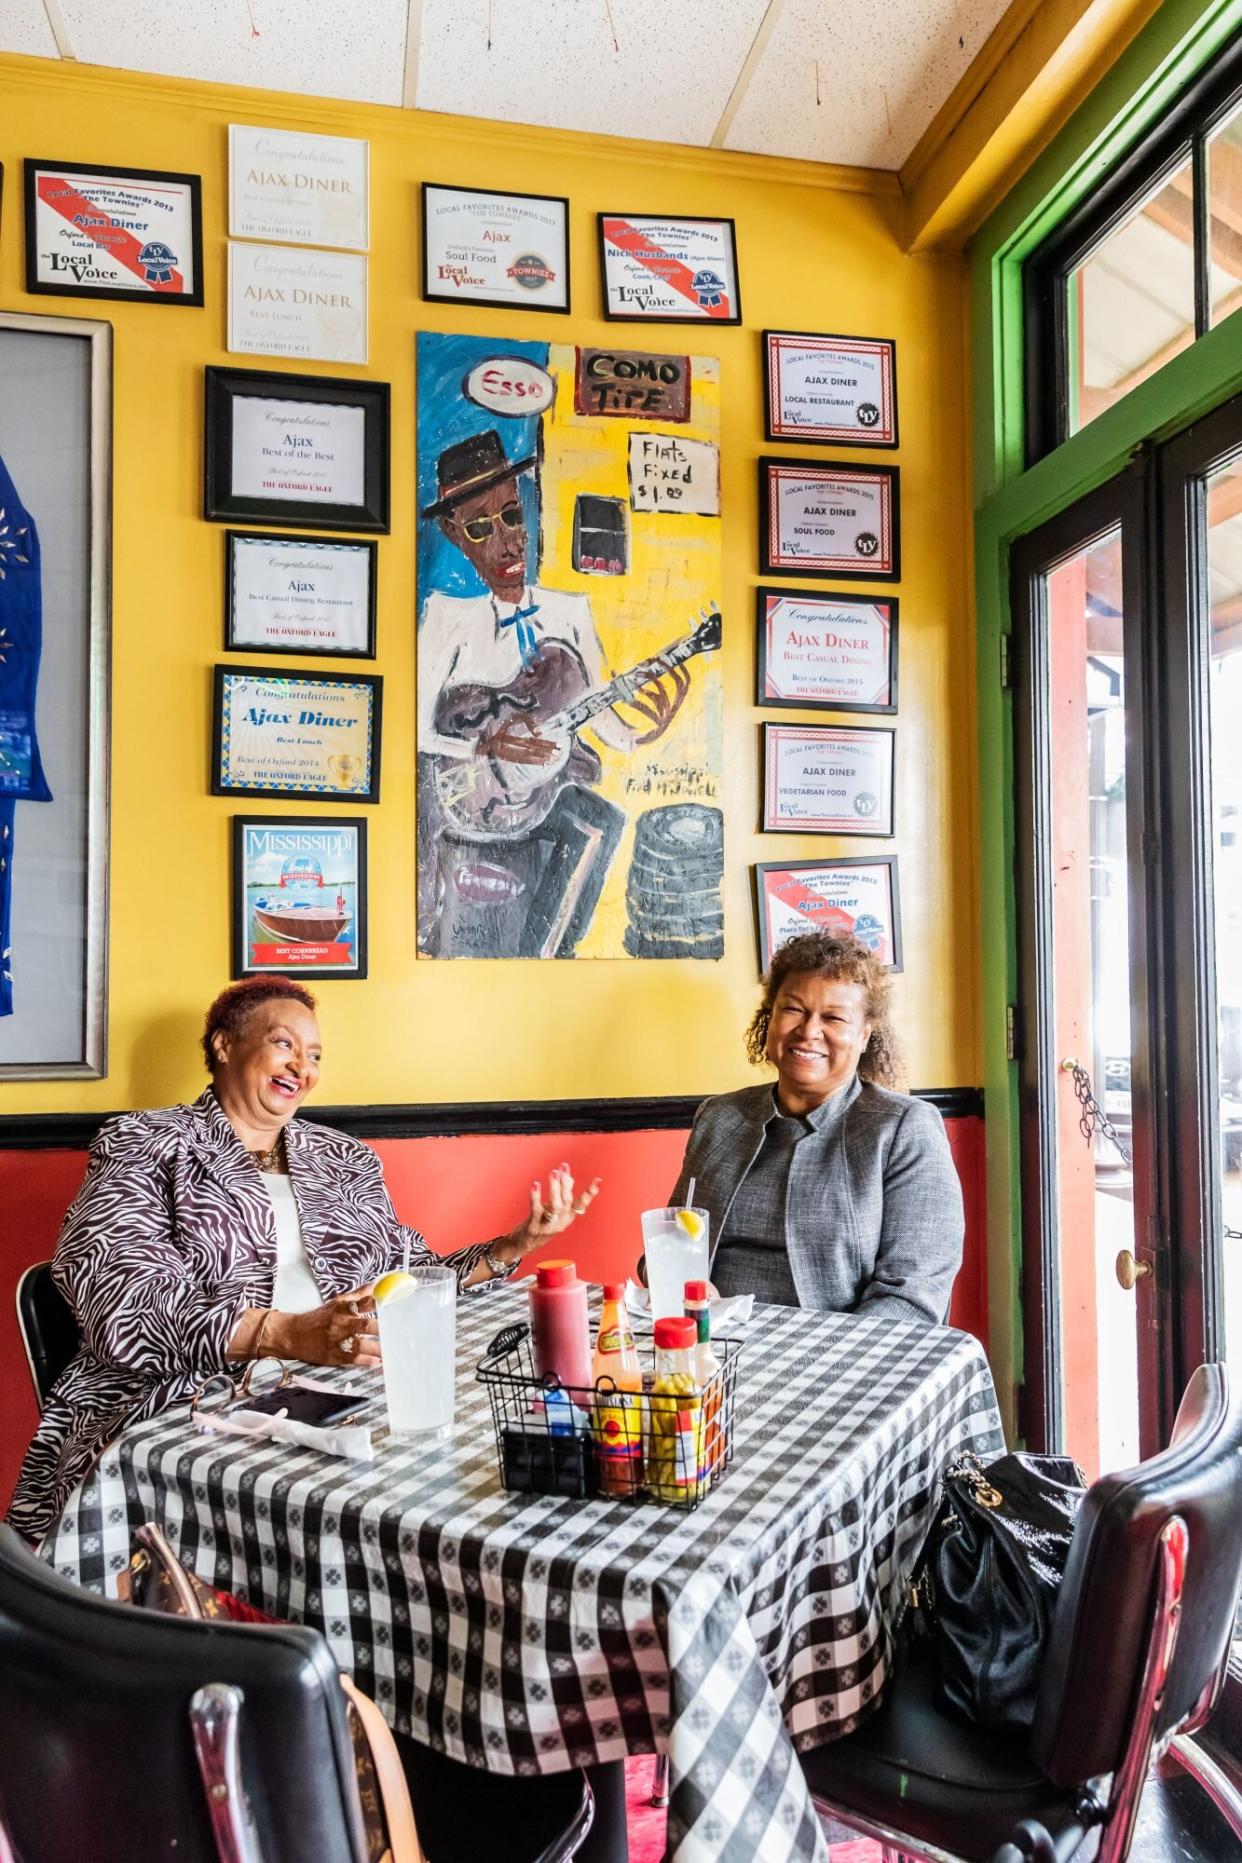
351	49
885	68
24	28
553	62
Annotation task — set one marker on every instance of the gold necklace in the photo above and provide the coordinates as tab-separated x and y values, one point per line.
270	1160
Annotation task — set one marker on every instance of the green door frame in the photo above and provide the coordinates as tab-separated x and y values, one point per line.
1012	500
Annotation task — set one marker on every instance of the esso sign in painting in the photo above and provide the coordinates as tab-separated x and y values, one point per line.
510	385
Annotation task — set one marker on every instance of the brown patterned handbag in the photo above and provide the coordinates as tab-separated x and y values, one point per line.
156	1580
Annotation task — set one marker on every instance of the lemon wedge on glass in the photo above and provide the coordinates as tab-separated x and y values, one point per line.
392	1286
689	1222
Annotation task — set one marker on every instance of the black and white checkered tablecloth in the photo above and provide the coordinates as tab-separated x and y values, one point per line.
529	1634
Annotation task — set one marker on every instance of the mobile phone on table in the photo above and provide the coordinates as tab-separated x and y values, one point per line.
304	1406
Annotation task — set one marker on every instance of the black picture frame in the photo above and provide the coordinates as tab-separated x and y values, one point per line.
239	930
860	825
854	569
503	304
223	386
311	676
846	437
826	598
688	219
34	167
362	544
764	867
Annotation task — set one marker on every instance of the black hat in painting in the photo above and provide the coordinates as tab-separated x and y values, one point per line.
471	466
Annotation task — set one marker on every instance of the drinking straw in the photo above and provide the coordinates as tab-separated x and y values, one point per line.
689	1202
405	1257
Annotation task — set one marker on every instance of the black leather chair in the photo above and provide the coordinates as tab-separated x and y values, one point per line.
48	1328
125	1734
1138	1653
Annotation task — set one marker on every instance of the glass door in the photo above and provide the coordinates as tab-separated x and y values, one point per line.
1091	1274
1127	615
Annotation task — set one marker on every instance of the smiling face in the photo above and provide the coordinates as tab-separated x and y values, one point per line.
263	1074
816	1036
490	531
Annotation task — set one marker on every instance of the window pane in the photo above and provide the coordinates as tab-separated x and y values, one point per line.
1091	1003
1224	509
1225	206
1131	305
1225	585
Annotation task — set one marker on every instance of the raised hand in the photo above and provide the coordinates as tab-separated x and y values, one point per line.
564	1205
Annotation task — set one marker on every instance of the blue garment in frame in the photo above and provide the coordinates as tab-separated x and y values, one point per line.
21	644
7	812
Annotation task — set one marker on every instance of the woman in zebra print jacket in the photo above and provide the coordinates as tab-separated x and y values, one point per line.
210	1234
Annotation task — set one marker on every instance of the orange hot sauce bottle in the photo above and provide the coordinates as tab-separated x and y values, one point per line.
698	1308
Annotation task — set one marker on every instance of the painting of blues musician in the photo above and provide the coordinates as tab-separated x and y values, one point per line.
520	705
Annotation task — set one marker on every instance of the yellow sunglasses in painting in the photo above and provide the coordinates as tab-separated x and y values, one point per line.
479	529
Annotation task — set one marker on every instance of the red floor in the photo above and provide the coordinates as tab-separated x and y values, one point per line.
646	1825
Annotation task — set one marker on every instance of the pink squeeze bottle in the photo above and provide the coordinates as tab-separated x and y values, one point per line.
560	1329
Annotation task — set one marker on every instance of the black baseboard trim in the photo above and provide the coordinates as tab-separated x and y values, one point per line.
75	1131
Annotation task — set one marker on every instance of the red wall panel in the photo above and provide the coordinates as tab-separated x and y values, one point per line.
454	1190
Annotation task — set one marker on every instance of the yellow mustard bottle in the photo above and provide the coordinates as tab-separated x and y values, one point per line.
675	1444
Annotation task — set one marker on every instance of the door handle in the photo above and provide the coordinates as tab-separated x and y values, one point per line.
1130	1271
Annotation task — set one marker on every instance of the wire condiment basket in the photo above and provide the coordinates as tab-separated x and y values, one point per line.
667	1446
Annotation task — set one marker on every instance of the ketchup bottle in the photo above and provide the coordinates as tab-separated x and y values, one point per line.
560	1330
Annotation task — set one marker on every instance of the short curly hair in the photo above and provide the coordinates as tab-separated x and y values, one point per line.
826	954
234	1007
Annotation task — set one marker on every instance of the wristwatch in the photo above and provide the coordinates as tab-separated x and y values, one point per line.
495	1266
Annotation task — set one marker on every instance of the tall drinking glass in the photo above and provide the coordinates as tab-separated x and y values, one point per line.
676	1246
418	1344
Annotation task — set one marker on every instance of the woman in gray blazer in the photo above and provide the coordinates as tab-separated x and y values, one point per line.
830	1189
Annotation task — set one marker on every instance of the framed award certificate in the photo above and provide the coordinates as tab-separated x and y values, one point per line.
132	233
827	779
855	898
830	390
296	449
289	301
299	895
304	190
295	734
829	520
299	595
830	652
487	246
668	269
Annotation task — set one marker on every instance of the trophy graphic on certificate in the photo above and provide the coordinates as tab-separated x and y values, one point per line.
343	767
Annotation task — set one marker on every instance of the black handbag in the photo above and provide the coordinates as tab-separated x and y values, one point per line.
986	1586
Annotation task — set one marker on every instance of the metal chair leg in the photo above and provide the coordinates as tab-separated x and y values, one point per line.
659	1781
1214	1781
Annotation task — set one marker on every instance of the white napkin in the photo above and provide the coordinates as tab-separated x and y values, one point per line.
734	1311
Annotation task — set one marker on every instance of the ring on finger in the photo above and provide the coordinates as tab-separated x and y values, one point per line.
353	1307
349	1345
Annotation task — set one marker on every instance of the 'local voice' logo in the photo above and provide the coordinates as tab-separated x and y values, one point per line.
157	261
708	288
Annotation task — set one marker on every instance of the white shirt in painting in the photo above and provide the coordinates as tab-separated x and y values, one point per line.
463	640
295	1290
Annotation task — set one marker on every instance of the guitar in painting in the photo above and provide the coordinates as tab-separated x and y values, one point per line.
484	796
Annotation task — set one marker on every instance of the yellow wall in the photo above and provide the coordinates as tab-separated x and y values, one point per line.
812	256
